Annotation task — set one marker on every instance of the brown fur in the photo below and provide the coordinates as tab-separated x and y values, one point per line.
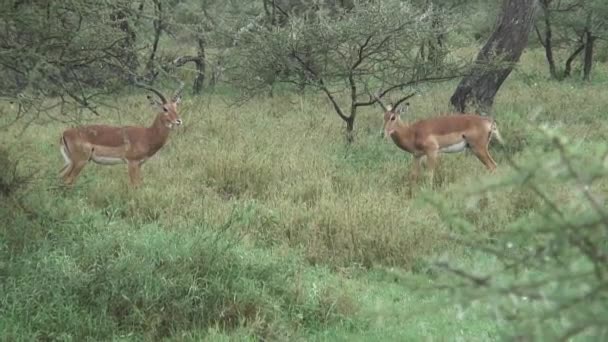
427	138
132	145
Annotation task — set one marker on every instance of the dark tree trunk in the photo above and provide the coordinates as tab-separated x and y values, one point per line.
505	45
201	67
158	29
571	58
350	129
200	63
547	40
588	60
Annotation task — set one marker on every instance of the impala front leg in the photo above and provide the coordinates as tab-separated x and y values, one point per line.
416	168
135	173
432	162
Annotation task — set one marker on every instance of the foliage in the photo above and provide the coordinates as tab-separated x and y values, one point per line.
565	28
259	215
549	277
255	223
67	50
373	45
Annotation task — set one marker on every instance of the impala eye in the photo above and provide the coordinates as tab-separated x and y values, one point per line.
165	109
392	118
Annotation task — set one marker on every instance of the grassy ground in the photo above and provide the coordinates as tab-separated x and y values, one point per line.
258	221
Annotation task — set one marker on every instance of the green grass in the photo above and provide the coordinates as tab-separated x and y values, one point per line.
259	222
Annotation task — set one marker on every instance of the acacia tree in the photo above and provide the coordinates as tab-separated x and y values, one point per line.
371	47
63	53
498	56
572	25
590	21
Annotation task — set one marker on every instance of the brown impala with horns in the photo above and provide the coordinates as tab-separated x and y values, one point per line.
108	145
445	134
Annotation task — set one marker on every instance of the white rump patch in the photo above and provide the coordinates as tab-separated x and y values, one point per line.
458	147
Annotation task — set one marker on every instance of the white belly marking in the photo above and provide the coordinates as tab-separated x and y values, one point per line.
107	160
458	147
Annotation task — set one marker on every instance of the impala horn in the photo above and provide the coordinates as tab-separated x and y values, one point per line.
147	87
407	104
379	101
178	92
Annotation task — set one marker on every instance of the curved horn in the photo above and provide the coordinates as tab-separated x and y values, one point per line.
403	99
379	101
178	92
147	87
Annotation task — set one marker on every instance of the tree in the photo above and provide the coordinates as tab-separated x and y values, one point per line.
66	54
574	25
498	56
373	45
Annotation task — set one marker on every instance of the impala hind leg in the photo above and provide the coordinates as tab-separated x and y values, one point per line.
479	146
76	160
67	167
482	153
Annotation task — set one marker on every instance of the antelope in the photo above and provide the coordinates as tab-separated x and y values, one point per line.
441	134
109	145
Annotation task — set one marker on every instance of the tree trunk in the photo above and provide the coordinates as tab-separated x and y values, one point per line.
350	129
158	29
547	40
201	67
588	61
571	58
506	44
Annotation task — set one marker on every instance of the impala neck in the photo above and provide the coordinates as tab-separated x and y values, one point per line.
401	135
159	132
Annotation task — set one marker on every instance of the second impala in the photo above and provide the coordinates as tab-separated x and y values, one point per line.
442	134
109	145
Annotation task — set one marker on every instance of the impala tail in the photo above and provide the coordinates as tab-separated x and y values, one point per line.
496	134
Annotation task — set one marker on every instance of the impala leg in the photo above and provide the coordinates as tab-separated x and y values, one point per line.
67	168
484	156
487	149
416	168
432	163
70	177
78	160
135	173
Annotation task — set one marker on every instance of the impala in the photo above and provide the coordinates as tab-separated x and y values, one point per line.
441	134
108	145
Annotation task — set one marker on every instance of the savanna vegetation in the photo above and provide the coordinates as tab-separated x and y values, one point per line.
277	211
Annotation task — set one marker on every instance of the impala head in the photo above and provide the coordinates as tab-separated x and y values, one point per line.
167	110
392	116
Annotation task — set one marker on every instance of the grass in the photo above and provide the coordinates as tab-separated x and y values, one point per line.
259	222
